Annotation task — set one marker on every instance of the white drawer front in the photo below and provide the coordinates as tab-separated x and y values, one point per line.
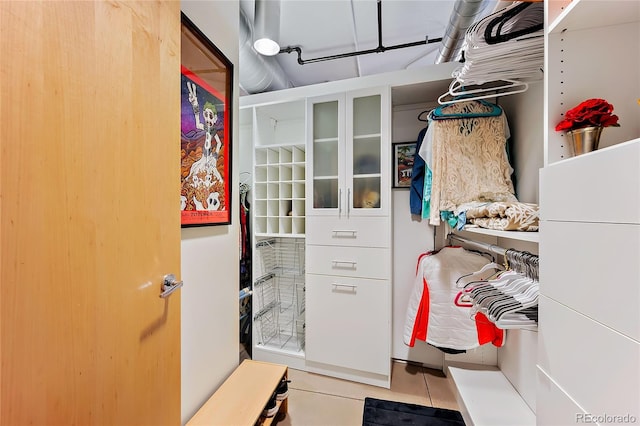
358	232
581	356
349	261
553	406
593	268
348	323
601	186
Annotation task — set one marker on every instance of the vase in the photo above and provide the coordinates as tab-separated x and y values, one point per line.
585	139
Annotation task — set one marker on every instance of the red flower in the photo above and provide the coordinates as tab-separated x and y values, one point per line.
592	112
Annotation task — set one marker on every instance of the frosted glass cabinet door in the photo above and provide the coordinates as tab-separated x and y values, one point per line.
327	149
367	157
348	152
366	161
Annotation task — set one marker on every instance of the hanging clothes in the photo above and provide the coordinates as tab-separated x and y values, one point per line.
433	316
468	159
417	177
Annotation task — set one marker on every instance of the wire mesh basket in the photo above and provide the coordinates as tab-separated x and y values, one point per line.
280	287
300	297
283	256
264	291
300	333
267	324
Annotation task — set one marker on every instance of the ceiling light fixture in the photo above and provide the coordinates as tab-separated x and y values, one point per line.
267	27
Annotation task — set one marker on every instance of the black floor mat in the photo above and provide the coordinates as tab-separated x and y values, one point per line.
378	412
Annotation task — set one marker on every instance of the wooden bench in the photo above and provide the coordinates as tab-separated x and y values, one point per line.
242	397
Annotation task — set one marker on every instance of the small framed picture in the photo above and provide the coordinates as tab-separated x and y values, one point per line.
403	153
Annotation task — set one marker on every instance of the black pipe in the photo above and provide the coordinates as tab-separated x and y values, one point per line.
379	49
380	46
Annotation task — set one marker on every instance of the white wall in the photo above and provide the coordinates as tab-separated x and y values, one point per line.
411	237
527	139
210	255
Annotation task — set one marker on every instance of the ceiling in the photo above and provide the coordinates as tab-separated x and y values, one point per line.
334	27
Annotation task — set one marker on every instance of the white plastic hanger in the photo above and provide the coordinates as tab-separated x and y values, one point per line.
511	87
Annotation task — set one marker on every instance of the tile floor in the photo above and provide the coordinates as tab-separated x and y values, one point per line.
316	400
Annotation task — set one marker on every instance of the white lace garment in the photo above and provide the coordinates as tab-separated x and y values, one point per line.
469	161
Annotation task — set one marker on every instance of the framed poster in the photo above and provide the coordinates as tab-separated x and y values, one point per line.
403	153
206	94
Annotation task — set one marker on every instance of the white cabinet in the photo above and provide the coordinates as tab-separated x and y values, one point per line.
348	252
348	324
589	329
348	150
590	246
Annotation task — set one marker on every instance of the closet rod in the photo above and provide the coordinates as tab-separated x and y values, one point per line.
478	245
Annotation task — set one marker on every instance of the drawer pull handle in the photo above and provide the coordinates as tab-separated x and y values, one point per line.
345	233
344	287
337	263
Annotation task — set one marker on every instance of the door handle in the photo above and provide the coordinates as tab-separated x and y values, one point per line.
169	285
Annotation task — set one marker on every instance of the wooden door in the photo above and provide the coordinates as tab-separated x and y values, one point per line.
89	193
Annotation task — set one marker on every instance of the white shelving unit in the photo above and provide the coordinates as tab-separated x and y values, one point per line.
279	185
577	220
533	237
278	204
591	52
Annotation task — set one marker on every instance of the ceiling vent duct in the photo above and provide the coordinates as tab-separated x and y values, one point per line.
257	73
464	14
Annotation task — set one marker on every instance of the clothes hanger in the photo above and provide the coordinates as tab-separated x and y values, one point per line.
489	266
440	113
245	187
510	87
425	120
512	300
521	294
504	279
470	286
533	18
500	312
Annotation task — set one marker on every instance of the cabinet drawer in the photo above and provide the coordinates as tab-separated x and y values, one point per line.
593	268
348	322
553	406
601	186
574	350
349	261
357	232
